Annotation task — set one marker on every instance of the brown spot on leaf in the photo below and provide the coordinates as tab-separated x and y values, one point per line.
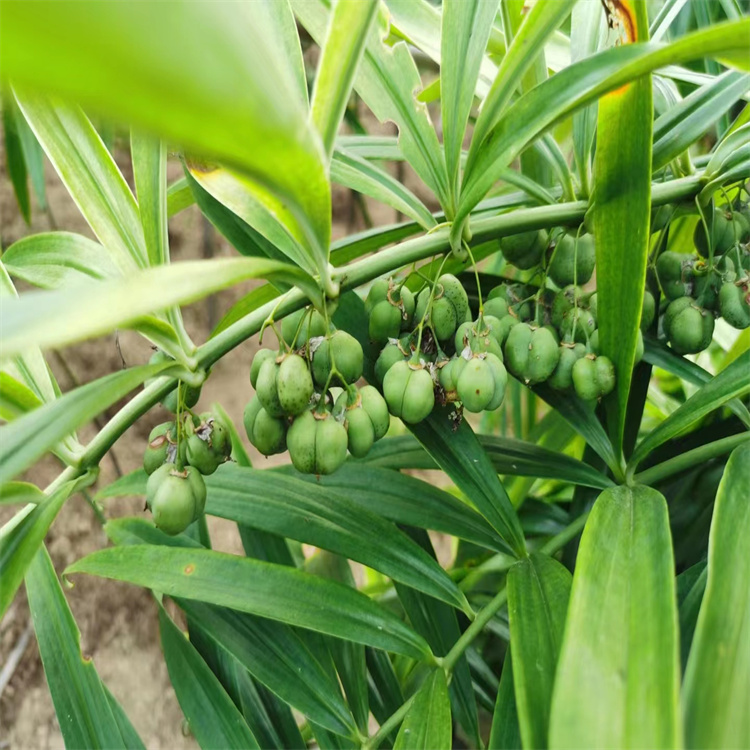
189	569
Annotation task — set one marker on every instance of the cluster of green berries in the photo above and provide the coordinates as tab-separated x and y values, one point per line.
178	455
699	287
293	408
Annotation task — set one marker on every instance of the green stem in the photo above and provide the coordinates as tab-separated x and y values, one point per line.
388	725
690	458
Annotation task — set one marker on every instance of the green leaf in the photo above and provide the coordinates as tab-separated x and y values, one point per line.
149	157
356	173
19	544
386	81
294	508
62	317
618	674
538	592
82	703
538	26
273	591
427	724
14	156
406	500
213	719
717	678
260	296
120	58
577	86
508	456
20	492
730	383
52	260
477	478
348	29
660	355
88	172
682	125
582	418
25	439
505	733
179	197
465	30
691	585
622	197
133	483
15	398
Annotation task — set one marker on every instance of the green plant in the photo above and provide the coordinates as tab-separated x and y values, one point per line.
601	540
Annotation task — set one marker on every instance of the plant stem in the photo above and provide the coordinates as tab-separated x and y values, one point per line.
690	458
388	725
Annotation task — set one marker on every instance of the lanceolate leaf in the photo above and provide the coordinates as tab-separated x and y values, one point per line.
348	30
82	703
14	157
58	318
717	678
407	500
218	105
273	591
358	174
477	478
149	156
538	591
51	260
427	725
291	507
691	585
580	84
618	674
90	175
730	383
622	197
24	440
212	717
19	545
505	733
466	26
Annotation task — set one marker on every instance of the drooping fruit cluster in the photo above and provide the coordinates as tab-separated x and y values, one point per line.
293	408
178	454
700	286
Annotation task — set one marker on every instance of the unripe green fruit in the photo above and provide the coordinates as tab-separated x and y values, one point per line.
159	441
450	372
476	385
481	335
688	327
454	292
564	301
725	229
388	357
593	377
409	392
266	433
497	307
443	318
675	273
294	384
562	378
385	322
648	311
317	443
593	303
525	250
378	293
578	324
639	349
347	355
500	376
573	259
176	498
209	445
377	409
408	303
260	357
531	353
200	456
266	388
734	303
360	432
304	325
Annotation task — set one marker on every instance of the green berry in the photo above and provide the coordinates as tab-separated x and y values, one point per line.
689	328
476	385
573	259
675	274
176	498
260	357
453	290
347	355
304	325
734	303
725	230
385	322
377	409
266	433
525	250
562	377
266	388
648	311
593	377
531	353
388	357
294	384
443	318
160	439
317	443
409	392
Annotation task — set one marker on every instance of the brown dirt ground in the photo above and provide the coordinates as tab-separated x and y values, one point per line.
117	622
